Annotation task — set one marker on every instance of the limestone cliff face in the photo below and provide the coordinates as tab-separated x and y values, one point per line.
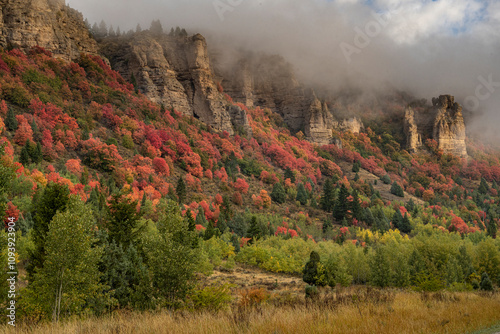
442	122
449	126
176	72
46	23
413	138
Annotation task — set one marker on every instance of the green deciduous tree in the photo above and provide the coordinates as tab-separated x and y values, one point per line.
170	256
70	275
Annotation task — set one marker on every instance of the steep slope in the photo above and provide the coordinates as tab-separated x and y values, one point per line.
46	23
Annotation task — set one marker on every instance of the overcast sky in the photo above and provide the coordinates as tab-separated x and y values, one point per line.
425	47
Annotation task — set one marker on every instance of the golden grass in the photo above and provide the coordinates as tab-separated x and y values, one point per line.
404	312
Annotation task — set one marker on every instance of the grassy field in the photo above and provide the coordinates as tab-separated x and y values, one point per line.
353	310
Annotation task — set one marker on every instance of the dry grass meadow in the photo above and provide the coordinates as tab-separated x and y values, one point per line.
353	310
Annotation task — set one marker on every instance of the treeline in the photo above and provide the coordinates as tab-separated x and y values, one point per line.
103	30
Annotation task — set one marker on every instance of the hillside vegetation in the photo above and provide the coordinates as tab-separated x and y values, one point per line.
122	204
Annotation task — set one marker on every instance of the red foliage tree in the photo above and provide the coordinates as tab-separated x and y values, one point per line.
23	132
241	185
161	166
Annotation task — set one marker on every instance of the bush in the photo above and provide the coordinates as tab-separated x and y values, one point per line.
397	190
486	284
212	298
386	179
312	291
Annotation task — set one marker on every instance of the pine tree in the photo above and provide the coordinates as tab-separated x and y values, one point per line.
327	200
486	284
397	190
341	206
24	158
483	187
278	194
181	190
356	177
11	121
289	175
122	220
397	219
356	167
405	226
156	27
177	31
355	205
301	194
314	273
492	228
255	231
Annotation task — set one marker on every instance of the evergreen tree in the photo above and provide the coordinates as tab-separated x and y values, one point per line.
341	205
177	31
483	187
492	228
122	220
278	194
380	268
210	231
486	284
289	175
183	33
24	158
156	27
255	231
301	194
172	32
37	156
355	205
11	121
397	219
405	226
180	190
356	177
386	179
54	198
327	200
314	273
397	190
368	217
356	167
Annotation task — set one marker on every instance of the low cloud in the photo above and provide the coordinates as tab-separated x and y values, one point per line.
425	47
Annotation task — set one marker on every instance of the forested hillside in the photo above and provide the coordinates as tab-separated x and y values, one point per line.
121	203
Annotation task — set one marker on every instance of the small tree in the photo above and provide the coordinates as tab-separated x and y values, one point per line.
180	190
327	200
386	179
397	190
483	187
314	272
341	205
486	284
11	121
356	167
301	194
122	220
278	194
492	229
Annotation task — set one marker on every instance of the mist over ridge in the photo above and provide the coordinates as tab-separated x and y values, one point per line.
426	48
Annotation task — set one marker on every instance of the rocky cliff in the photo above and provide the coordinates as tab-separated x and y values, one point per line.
175	72
442	122
268	81
46	23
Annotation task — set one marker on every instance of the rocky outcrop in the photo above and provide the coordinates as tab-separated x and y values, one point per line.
442	122
449	126
46	23
318	123
175	72
353	125
413	138
239	120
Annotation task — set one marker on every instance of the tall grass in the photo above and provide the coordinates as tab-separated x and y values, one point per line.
357	310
